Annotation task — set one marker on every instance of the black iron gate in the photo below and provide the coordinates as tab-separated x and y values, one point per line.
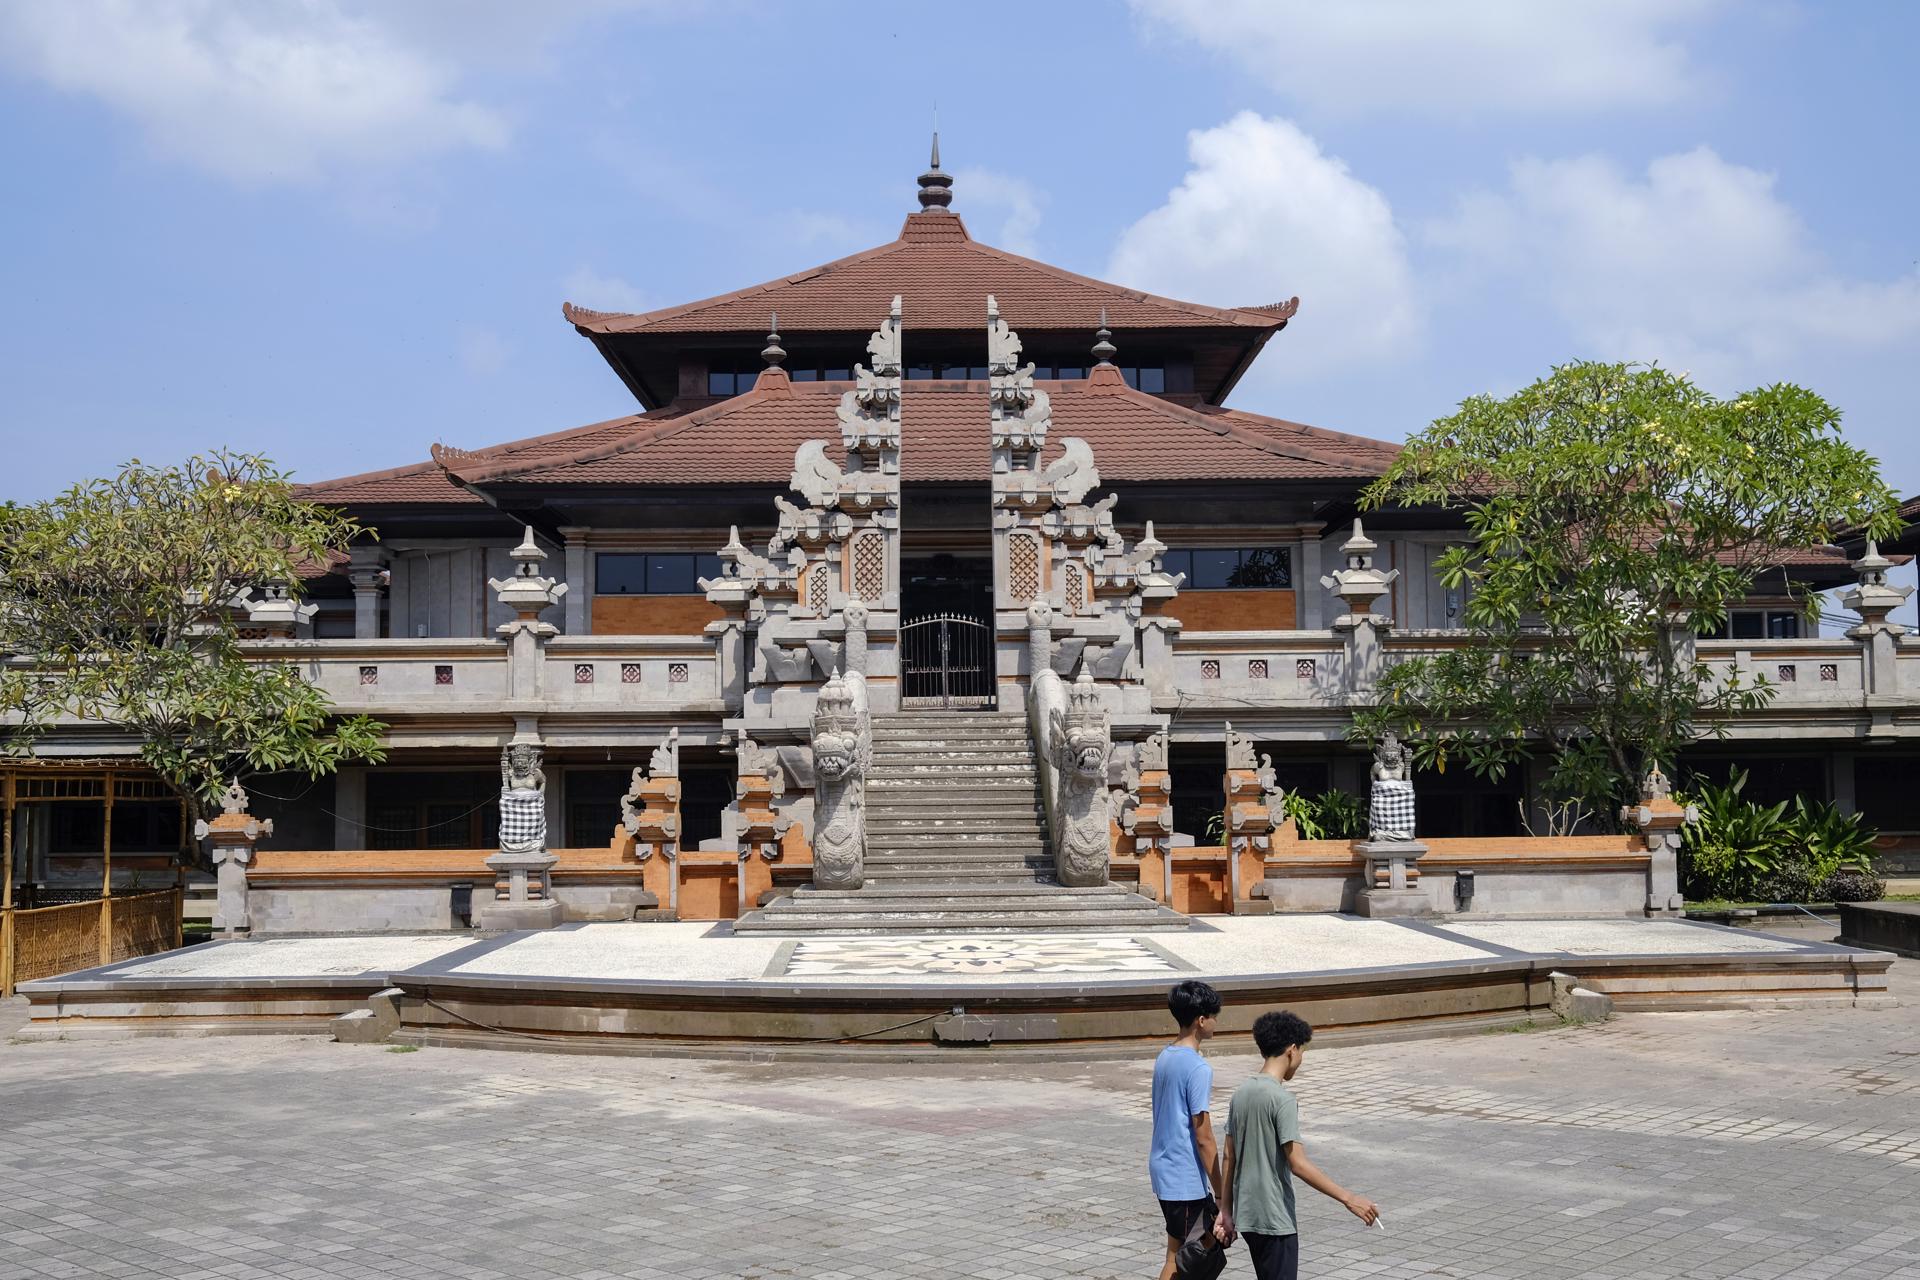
946	660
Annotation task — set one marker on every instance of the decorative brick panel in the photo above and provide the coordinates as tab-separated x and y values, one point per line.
1023	567
1787	672
1076	589
1256	668
629	673
583	673
870	566
676	673
1829	672
369	675
817	589
443	674
1303	668
1209	668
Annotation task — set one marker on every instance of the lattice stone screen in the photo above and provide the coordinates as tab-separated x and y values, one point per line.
1076	588
817	589
1023	567
870	566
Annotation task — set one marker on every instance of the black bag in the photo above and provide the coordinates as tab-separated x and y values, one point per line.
1201	1256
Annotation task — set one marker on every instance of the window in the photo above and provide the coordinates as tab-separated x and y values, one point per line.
1149	378
1233	568
429	810
653	573
1883	790
1756	624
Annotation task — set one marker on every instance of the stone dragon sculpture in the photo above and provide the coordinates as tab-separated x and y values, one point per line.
1075	741
842	751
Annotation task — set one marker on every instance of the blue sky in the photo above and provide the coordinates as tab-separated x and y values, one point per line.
336	232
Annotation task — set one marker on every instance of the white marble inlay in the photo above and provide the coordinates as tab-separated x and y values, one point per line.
1616	937
980	954
341	957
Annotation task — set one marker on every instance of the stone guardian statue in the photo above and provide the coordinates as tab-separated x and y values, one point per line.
842	752
1390	807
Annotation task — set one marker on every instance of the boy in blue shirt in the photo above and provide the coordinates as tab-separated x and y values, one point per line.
1184	1164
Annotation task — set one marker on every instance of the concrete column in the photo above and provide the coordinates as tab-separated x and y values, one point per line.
368	573
350	809
576	622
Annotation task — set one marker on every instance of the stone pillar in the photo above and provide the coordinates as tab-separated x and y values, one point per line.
230	839
1150	821
760	781
523	885
1360	586
1249	820
1660	819
650	819
855	615
1874	599
367	571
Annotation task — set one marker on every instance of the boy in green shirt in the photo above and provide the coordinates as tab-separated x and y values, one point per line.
1264	1151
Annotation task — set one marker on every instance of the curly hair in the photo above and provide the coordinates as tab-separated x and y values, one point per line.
1276	1032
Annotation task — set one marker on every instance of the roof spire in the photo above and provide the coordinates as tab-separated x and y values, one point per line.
936	187
773	353
1103	348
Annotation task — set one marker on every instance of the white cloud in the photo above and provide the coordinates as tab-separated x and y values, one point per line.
259	92
1697	263
588	288
1006	210
1459	56
1264	214
482	351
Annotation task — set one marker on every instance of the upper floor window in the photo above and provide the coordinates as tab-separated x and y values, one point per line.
1149	378
1757	624
652	573
1233	568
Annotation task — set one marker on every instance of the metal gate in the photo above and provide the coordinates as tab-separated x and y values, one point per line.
946	660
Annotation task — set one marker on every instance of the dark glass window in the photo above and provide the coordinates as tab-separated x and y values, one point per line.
1069	372
658	573
1746	626
919	372
1222	568
719	382
1153	380
831	374
1783	625
619	575
805	375
977	372
670	575
1883	791
427	810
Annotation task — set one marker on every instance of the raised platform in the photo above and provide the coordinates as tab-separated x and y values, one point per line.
700	989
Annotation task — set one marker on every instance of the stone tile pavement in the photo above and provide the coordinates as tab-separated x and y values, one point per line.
1750	1145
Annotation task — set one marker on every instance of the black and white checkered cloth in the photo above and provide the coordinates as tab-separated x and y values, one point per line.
1390	814
523	821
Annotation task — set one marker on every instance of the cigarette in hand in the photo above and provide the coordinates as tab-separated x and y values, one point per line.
1379	1222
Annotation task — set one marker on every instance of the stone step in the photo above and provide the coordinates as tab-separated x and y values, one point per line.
955	899
972	889
1012	844
1007	872
1152	919
1012	861
966	799
985	770
955	733
937	715
921	835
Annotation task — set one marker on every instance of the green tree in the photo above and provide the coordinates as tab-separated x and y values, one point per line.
116	606
1611	509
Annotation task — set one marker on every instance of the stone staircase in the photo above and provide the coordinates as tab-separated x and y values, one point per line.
956	842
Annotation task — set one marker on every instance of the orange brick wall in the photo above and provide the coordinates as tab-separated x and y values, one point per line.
652	615
1233	610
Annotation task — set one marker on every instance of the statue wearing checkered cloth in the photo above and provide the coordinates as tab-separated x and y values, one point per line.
1390	807
523	800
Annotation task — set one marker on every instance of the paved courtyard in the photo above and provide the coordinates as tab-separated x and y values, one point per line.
1660	1145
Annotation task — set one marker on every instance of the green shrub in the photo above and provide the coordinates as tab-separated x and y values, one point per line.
1742	851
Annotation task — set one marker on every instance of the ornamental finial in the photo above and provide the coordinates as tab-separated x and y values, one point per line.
1103	348
773	353
936	186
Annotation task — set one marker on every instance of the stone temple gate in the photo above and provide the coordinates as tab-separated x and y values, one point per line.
991	808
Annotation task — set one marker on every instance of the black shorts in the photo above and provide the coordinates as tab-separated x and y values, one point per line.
1181	1213
1274	1257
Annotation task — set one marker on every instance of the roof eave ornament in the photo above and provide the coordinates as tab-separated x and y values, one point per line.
936	185
1103	348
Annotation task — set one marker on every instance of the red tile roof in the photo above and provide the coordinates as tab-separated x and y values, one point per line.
943	277
752	438
427	482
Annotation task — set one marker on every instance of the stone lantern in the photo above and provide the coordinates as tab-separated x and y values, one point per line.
230	839
276	613
528	593
1359	586
1873	599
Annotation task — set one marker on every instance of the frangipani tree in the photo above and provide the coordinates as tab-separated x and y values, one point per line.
1612	511
116	606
